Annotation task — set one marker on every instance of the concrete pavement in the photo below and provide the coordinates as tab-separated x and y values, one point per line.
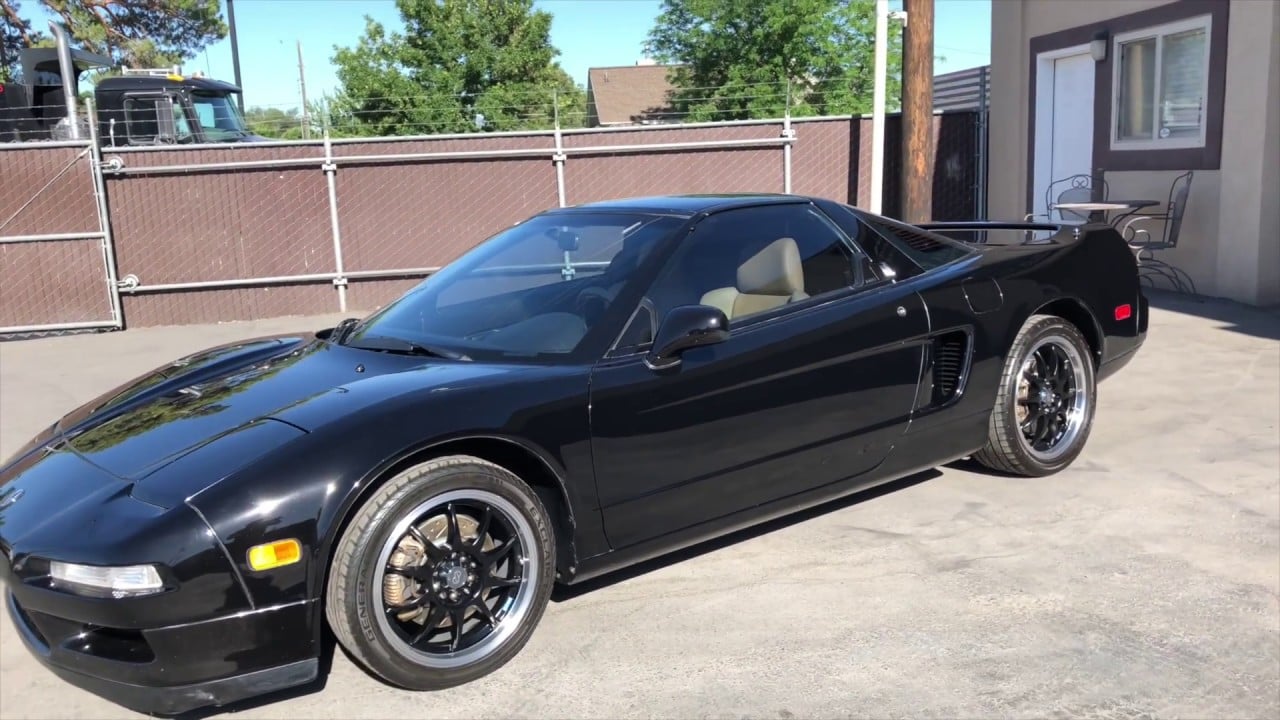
1143	581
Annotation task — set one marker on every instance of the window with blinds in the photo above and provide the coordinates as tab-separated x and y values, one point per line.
1160	87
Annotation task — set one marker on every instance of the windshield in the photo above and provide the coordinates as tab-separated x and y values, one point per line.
218	116
534	290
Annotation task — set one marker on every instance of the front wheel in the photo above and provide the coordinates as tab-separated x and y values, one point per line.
442	574
1045	406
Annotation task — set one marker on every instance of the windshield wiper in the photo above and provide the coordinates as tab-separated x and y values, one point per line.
342	330
384	343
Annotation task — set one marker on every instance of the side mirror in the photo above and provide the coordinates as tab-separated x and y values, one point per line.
166	133
686	327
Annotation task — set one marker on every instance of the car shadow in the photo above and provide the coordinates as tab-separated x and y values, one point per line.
1262	322
968	464
565	593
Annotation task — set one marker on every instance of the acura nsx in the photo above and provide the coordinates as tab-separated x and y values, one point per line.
591	387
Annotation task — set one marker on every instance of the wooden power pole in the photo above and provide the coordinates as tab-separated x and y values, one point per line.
917	111
302	83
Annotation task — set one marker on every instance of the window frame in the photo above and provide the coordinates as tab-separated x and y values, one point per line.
131	106
159	100
865	282
1158	33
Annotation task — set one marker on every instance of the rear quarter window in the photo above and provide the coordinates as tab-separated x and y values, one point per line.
926	250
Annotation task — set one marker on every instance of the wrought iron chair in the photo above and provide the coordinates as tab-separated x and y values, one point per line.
1076	188
1142	242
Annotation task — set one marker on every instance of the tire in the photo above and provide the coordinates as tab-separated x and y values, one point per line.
1009	448
380	562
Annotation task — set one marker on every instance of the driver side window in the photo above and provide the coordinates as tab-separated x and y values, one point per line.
751	261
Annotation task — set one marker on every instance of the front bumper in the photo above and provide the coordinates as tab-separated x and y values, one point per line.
174	669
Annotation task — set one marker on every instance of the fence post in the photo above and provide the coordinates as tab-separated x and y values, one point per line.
104	214
330	173
788	133
558	157
980	209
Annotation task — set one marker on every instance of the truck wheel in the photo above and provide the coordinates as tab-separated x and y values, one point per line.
443	573
1045	404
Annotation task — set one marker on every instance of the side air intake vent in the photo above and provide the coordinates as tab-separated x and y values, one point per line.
950	352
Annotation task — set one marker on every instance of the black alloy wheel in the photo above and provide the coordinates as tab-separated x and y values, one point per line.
442	574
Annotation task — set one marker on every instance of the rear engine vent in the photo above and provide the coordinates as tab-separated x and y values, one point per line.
927	250
918	241
949	355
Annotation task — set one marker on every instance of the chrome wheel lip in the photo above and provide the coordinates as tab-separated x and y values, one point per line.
519	607
1076	413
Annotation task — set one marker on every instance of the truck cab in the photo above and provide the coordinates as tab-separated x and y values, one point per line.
150	108
137	107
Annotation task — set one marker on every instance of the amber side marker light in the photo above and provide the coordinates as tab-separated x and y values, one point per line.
1124	312
275	554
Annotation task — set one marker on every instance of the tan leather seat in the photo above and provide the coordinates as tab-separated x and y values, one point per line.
771	278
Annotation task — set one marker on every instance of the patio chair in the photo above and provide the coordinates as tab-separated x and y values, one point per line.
1076	188
1143	243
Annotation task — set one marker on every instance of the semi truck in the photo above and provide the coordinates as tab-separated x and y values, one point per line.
157	106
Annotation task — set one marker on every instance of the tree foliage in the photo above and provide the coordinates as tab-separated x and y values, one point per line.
143	33
15	33
459	66
140	33
739	60
274	122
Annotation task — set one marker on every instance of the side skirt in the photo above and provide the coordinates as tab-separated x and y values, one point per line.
902	463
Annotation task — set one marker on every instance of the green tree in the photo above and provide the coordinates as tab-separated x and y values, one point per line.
15	34
459	66
141	33
738	60
274	122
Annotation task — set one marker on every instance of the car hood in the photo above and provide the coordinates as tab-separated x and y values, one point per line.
162	416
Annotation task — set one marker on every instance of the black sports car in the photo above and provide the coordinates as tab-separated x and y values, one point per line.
591	387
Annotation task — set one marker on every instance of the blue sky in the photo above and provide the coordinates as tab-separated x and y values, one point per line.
589	33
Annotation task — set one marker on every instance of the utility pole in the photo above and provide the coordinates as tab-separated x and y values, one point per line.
302	82
917	111
235	53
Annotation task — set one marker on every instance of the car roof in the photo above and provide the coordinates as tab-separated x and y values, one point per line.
687	205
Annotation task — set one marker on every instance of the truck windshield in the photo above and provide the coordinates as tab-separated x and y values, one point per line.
218	116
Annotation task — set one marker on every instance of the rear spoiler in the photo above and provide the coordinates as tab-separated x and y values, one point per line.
1076	230
989	225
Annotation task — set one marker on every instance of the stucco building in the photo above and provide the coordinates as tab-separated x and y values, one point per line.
1143	91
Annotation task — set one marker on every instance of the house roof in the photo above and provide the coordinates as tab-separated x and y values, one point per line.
628	93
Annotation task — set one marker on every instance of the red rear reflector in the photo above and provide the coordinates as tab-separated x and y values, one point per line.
1124	312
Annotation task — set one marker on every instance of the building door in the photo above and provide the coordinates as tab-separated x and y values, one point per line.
1064	119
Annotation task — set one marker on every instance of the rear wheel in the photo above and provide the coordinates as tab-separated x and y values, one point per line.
442	574
1045	406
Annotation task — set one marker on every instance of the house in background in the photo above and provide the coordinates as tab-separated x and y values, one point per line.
1144	91
629	95
639	94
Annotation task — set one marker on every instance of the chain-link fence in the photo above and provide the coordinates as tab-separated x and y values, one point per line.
54	254
240	231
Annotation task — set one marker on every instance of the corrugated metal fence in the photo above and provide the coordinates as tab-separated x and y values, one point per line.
175	235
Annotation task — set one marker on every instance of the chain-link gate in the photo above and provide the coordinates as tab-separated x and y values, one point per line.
56	264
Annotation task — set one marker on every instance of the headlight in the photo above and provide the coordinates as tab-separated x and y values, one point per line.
97	581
